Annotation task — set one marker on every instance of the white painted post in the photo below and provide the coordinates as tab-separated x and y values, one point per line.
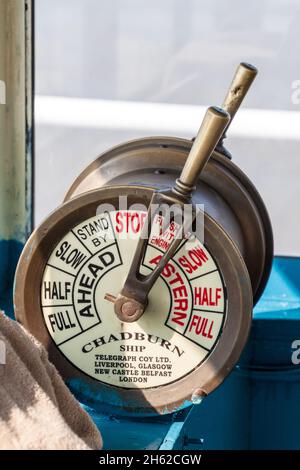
15	134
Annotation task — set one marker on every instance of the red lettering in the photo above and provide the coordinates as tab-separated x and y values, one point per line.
135	226
207	296
176	279
168	270
181	304
177	317
180	291
156	260
184	262
119	226
126	221
194	260
200	326
194	321
209	335
198	255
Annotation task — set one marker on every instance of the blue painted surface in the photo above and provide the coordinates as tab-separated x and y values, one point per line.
281	298
172	437
96	399
257	407
124	433
10	251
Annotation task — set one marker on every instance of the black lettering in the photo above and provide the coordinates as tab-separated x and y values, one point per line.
61	249
81	234
178	351
94	268
61	321
82	299
106	258
77	258
112	338
86	281
86	311
56	290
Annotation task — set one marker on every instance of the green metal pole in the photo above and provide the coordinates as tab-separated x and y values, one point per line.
15	138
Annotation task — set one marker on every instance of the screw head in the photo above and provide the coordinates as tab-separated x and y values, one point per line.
128	310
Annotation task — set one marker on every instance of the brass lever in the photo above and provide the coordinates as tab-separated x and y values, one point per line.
241	82
212	128
130	304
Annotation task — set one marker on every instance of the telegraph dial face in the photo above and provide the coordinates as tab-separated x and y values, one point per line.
185	314
191	333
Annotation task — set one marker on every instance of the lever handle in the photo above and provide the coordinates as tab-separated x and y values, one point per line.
213	125
130	304
241	82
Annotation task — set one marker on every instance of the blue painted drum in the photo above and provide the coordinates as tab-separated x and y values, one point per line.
10	251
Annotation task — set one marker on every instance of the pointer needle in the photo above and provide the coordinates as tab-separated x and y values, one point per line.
110	298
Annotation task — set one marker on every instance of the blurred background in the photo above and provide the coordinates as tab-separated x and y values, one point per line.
111	71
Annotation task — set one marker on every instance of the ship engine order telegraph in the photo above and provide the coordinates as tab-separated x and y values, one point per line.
141	284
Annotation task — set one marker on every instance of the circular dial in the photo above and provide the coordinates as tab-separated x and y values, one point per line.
191	333
183	319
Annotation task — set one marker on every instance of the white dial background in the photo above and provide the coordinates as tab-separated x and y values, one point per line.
177	332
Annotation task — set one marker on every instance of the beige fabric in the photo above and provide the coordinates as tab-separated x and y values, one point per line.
37	411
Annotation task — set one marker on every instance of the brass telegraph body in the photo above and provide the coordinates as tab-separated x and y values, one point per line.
138	316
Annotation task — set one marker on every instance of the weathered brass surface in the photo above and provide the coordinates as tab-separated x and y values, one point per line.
212	127
225	191
241	82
